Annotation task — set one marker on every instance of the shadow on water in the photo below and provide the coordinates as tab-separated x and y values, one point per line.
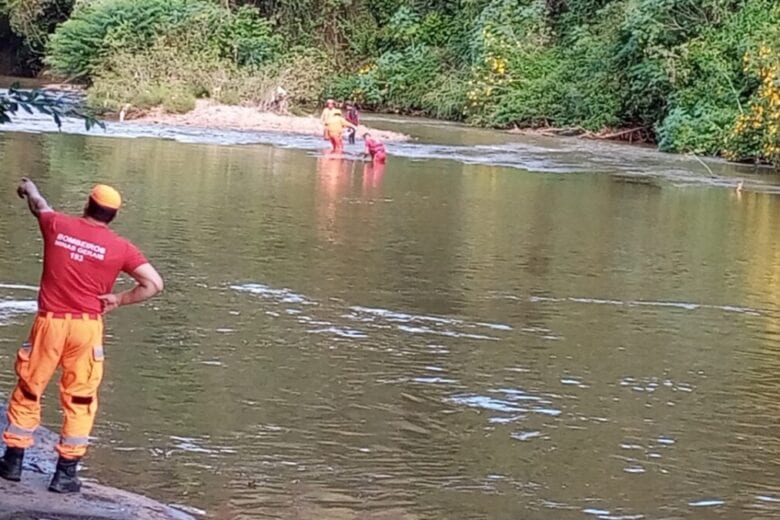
436	339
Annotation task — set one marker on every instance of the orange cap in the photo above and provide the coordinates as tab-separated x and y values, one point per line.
106	196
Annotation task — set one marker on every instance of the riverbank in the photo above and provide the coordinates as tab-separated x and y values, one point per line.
210	115
30	499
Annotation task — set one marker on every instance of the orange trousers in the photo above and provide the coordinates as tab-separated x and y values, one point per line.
74	343
336	141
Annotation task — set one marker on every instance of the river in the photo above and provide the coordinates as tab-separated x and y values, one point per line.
493	327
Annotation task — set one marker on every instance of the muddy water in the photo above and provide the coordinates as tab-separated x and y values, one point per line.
583	331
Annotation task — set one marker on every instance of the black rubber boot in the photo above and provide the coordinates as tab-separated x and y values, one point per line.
11	464
66	478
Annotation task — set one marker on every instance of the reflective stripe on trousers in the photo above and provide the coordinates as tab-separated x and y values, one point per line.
19	431
74	441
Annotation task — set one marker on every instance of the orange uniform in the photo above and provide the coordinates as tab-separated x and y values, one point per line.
327	113
334	130
81	261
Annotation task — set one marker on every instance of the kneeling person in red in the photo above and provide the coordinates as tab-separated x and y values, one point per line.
82	258
375	148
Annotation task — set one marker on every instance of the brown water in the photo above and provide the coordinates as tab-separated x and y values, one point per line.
436	341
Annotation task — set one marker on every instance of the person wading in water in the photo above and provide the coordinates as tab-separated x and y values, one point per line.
82	258
353	116
328	112
375	149
334	130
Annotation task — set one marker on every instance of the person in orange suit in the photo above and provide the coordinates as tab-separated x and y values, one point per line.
82	258
334	129
328	112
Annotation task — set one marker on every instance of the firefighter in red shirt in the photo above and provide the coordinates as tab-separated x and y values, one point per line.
82	258
375	149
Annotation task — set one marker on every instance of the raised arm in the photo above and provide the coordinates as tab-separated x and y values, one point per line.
149	283
35	201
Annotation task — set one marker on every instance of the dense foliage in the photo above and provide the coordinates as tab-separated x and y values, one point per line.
696	75
96	30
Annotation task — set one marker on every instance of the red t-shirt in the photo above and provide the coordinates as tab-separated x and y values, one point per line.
353	116
374	147
81	261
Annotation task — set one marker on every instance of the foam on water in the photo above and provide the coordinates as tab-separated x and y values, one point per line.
18	286
11	308
707	503
688	306
324	317
278	295
512	401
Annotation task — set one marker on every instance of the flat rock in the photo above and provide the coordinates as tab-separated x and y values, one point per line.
30	500
209	115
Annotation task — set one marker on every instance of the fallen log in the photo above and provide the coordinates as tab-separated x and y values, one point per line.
627	134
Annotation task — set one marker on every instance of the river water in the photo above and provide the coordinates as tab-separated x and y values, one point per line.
493	326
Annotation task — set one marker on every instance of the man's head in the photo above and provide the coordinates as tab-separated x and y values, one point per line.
366	136
330	103
103	203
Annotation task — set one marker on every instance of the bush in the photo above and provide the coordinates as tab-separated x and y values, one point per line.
651	39
98	29
399	80
572	83
159	75
408	27
706	97
174	72
756	133
448	99
32	21
523	92
699	129
244	36
712	88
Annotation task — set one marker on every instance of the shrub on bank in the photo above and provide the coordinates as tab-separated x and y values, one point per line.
397	81
171	52
714	86
176	70
412	69
97	30
756	132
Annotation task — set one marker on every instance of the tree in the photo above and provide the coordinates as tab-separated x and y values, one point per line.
51	103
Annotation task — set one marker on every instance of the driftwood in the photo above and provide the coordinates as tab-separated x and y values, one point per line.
550	131
632	135
639	134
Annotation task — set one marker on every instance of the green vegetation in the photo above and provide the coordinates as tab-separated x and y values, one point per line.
54	104
697	76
